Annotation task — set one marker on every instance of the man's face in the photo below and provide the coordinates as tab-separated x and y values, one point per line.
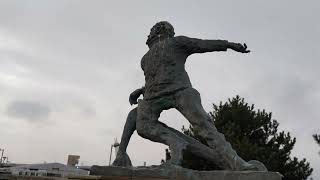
155	30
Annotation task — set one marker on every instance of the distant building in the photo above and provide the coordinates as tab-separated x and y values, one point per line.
4	171
48	169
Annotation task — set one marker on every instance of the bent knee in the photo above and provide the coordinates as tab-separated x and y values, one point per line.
148	130
140	129
143	129
132	116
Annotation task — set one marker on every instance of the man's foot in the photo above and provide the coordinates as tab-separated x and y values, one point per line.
122	160
253	165
177	150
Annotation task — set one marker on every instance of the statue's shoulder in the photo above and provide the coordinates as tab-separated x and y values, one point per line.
181	41
181	38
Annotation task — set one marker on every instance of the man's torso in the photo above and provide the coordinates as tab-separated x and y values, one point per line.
164	70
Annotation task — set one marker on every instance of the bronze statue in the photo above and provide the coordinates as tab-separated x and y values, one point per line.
167	86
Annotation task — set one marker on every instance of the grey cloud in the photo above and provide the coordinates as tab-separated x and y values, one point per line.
28	110
79	60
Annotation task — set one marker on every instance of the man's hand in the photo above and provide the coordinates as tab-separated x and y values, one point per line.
135	95
239	47
133	98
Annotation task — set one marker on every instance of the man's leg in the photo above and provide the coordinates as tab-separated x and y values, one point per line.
188	102
150	128
122	158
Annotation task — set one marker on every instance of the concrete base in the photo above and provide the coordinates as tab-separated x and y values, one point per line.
178	173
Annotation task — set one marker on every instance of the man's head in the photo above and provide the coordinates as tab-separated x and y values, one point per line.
161	29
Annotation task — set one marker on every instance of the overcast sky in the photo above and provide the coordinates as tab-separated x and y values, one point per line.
68	67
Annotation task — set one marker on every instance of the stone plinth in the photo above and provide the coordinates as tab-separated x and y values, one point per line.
177	173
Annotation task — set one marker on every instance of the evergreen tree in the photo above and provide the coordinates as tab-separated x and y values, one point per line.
254	135
316	137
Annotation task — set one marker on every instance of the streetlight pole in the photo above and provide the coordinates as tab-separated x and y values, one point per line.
4	159
1	156
110	154
115	145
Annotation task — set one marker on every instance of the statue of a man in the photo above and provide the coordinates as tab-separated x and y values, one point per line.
167	85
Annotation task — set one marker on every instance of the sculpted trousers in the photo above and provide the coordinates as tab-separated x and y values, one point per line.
187	102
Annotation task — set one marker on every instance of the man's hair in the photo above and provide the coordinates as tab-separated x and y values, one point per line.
161	28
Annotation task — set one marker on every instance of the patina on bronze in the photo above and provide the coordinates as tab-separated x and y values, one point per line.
167	85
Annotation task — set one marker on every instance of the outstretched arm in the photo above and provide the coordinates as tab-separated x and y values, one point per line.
194	45
135	95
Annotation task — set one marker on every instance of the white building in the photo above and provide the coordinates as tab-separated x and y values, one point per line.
47	169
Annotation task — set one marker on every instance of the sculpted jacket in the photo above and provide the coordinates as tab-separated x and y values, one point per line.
164	63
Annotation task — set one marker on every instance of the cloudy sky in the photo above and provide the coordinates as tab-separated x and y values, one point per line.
67	68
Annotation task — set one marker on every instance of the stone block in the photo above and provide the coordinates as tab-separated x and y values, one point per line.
177	173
